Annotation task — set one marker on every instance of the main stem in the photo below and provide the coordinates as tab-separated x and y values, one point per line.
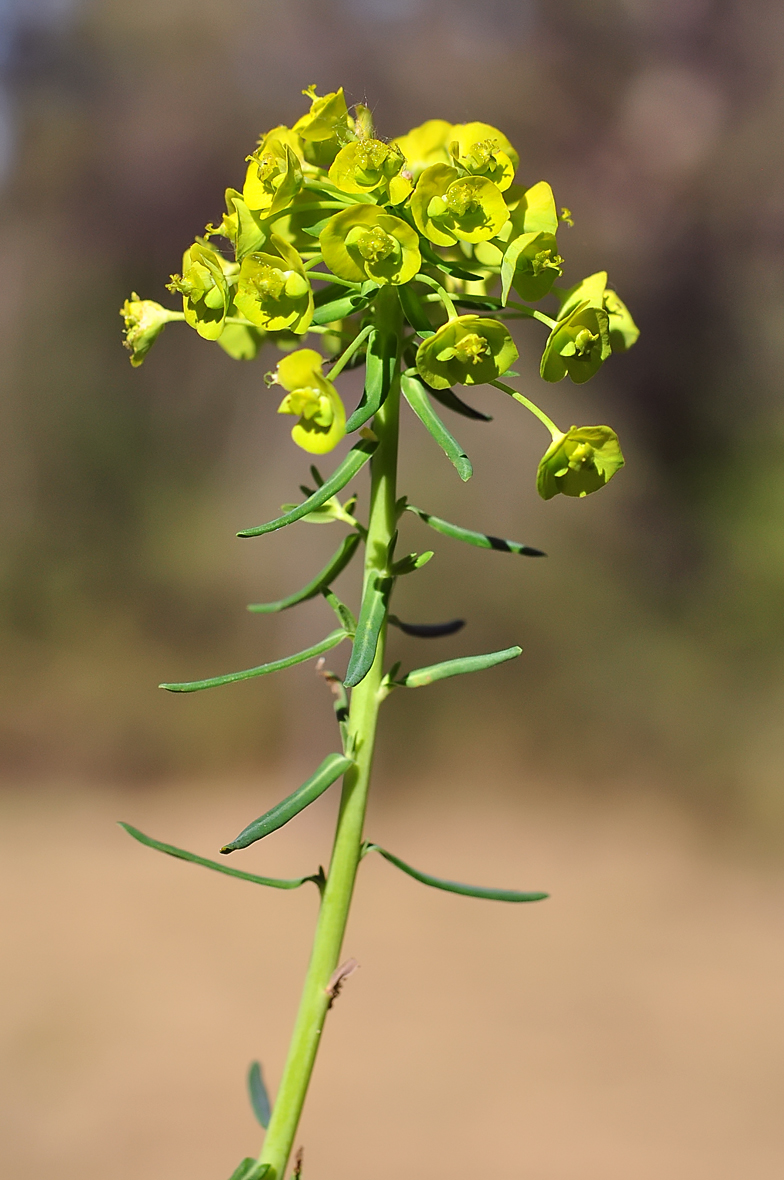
346	850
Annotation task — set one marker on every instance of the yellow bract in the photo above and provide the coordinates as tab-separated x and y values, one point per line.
322	418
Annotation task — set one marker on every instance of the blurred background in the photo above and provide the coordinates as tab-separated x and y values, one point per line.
630	760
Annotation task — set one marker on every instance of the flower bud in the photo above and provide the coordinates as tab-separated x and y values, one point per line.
362	242
482	150
144	322
204	286
577	345
273	290
322	418
448	208
579	462
468	350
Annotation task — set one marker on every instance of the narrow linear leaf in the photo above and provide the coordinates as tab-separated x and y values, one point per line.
427	630
450	268
371	619
455	886
339	309
259	1098
344	615
353	462
332	640
333	766
413	309
480	302
380	367
449	398
422	676
336	564
332	290
415	395
250	1169
481	540
181	854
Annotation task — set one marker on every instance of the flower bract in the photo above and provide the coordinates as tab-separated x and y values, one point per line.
322	418
273	177
425	145
368	164
579	462
577	345
623	330
324	128
482	150
363	242
144	322
273	290
204	287
468	350
448	208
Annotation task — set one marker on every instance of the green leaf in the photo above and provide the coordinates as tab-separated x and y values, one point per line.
423	676
481	540
371	619
427	630
336	564
449	398
250	1169
332	640
480	302
380	361
455	886
410	563
241	341
415	395
333	766
181	854
450	268
259	1098
413	309
353	462
340	309
344	615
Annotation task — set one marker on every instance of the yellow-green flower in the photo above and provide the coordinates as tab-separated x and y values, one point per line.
425	145
325	127
204	286
577	345
623	330
273	290
579	462
363	242
593	290
531	264
144	322
448	208
273	177
468	350
244	229
482	150
368	164
322	418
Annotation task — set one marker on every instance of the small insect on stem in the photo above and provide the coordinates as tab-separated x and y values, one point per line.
338	978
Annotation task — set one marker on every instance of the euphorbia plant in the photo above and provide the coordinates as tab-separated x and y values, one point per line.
401	256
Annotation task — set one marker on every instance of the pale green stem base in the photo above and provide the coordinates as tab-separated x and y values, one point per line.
346	851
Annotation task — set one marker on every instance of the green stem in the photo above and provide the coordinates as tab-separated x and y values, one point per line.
529	405
533	313
347	847
347	354
440	291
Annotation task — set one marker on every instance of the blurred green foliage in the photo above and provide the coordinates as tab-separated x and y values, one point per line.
652	635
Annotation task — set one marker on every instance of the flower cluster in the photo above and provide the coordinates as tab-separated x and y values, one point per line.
331	220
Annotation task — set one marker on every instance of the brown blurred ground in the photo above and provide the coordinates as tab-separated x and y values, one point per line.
630	1026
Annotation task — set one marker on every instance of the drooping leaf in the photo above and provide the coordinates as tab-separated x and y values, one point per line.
414	393
427	630
423	676
455	886
181	854
380	362
333	766
336	564
353	462
481	540
332	640
449	398
371	619
259	1098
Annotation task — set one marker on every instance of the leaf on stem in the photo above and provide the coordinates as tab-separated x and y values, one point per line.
415	395
344	615
333	766
427	630
455	886
450	268
481	540
353	462
181	854
259	1098
250	1169
371	619
449	398
413	309
380	367
422	676
344	306
332	640
336	564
